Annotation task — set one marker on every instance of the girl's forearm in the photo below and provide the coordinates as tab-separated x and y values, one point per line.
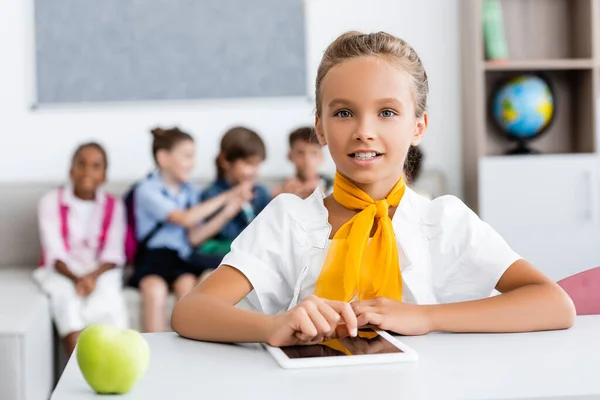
202	317
62	268
528	308
102	269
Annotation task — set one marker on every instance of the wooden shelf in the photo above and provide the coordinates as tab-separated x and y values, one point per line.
571	131
548	29
526	65
559	38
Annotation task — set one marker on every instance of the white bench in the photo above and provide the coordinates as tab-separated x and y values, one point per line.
31	356
27	366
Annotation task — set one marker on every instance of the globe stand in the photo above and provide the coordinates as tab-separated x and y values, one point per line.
522	148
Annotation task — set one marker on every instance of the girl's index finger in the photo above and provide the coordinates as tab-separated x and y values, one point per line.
345	310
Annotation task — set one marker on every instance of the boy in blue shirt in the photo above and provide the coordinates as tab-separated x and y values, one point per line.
168	220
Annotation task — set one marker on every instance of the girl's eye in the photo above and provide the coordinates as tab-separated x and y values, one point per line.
387	113
342	114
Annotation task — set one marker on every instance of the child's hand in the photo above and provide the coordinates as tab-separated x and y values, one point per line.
85	285
307	189
292	185
244	191
312	321
239	195
233	207
391	315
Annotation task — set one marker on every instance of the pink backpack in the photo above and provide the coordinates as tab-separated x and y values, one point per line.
63	209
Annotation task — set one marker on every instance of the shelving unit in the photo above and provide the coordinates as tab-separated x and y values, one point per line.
546	65
556	38
546	206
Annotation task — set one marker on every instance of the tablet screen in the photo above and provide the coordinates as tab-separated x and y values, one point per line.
367	342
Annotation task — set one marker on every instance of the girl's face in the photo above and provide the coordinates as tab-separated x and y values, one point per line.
88	171
179	161
368	121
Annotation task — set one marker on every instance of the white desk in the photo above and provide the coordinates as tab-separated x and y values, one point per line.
542	365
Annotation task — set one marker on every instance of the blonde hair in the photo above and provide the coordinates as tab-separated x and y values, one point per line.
357	44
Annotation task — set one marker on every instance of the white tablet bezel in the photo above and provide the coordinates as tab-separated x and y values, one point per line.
408	355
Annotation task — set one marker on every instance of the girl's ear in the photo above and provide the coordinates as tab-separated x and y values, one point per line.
319	131
420	129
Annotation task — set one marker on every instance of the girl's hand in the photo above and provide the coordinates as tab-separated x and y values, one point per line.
312	321
391	315
86	285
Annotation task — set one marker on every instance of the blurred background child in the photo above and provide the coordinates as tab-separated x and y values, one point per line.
167	221
82	230
307	155
242	151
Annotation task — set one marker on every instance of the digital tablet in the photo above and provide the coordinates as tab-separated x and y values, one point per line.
369	347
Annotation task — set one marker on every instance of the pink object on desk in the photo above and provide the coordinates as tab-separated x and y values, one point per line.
584	290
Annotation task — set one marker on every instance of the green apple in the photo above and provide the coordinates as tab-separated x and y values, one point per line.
112	359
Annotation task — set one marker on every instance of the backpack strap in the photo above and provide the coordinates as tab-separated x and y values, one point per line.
63	214
151	234
159	225
109	208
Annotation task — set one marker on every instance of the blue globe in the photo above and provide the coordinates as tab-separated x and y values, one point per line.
523	106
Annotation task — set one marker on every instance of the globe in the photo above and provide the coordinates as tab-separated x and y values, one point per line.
523	108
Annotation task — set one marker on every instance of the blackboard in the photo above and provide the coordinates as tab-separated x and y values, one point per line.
139	50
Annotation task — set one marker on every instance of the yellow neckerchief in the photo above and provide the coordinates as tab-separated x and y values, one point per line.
354	265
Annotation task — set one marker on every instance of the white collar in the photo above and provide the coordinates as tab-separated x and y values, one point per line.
68	195
406	222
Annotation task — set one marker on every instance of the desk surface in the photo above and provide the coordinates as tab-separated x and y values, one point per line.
540	365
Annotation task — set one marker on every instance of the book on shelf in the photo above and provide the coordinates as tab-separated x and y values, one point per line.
496	46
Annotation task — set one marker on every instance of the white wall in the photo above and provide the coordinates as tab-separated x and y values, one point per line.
430	26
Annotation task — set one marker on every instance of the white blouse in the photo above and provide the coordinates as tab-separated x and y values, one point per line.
446	253
85	224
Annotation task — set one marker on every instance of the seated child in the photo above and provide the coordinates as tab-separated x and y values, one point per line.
307	155
82	232
374	253
167	218
242	151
